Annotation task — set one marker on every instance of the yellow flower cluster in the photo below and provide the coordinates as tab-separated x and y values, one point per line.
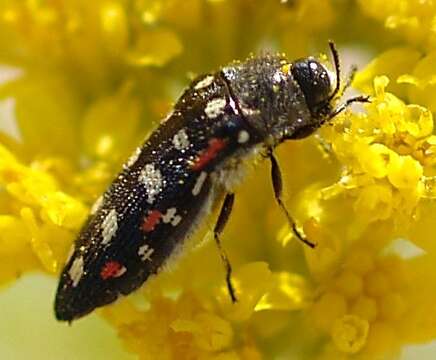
91	78
195	326
36	218
413	19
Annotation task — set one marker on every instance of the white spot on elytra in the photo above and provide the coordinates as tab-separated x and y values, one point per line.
120	272
171	217
204	83
145	252
313	65
243	136
199	183
152	180
97	205
109	226
181	140
215	107
132	159
76	270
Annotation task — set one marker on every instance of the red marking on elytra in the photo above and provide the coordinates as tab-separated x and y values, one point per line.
112	269
151	220
215	146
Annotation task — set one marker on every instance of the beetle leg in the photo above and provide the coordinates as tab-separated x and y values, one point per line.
277	182
223	217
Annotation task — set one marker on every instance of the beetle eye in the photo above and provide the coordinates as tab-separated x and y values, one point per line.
314	81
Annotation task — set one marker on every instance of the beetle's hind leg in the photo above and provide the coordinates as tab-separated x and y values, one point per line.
223	217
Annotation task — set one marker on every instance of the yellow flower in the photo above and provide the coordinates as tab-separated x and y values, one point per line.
413	19
383	171
39	216
86	81
192	325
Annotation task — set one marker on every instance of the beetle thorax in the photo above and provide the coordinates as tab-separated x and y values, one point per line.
277	98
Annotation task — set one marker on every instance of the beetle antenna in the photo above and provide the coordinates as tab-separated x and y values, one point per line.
335	55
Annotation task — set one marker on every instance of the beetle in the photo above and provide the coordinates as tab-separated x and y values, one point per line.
190	163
